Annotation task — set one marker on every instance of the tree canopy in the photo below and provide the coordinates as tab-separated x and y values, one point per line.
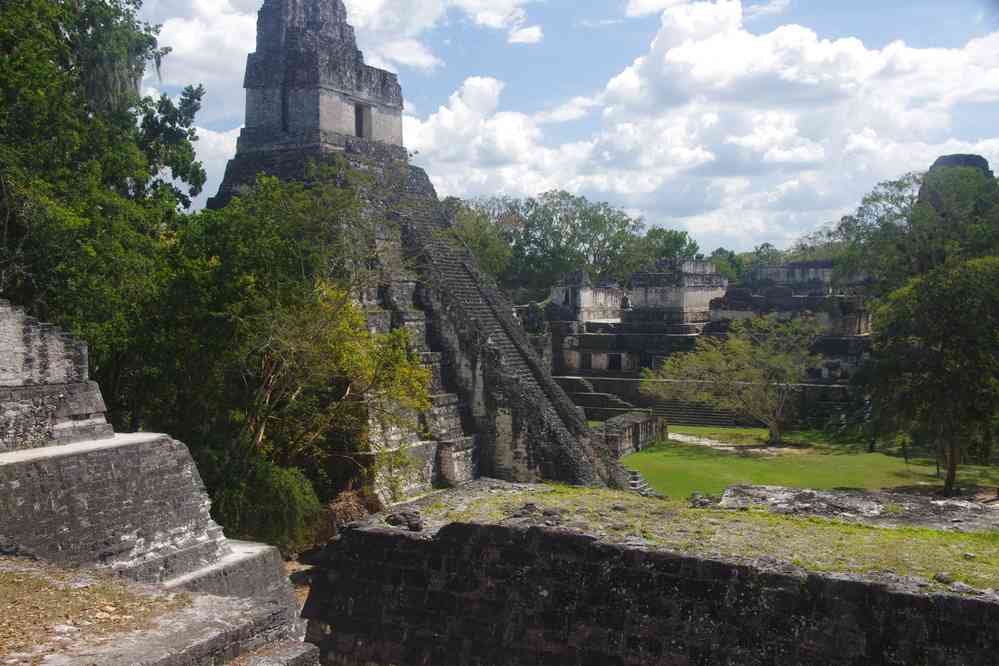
238	330
756	370
936	351
907	227
557	233
928	244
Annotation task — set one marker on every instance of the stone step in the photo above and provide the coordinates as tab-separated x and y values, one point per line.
638	484
281	653
575	385
457	460
170	561
133	504
249	570
211	631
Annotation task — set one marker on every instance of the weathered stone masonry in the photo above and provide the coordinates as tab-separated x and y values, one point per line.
75	494
481	595
46	395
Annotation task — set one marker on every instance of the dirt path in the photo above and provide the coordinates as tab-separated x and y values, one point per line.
746	450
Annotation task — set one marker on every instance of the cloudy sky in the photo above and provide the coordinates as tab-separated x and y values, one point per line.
741	122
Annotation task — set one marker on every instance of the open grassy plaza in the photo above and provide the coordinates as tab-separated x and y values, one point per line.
808	459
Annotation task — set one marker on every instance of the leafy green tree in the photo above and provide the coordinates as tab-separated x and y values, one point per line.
485	238
261	359
660	244
937	364
90	173
896	234
732	266
767	255
820	245
755	370
558	233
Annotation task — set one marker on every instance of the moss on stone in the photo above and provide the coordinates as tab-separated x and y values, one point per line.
811	544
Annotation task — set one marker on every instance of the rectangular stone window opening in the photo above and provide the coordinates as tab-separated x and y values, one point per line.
614	362
362	121
587	361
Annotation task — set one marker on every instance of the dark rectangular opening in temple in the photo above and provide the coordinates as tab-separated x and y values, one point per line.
362	121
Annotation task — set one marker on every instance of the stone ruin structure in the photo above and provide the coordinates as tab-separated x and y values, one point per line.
599	338
496	409
45	390
73	493
612	328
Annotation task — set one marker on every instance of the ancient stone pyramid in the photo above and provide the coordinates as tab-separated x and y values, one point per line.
497	411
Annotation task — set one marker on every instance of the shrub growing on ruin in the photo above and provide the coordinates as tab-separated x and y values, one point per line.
270	503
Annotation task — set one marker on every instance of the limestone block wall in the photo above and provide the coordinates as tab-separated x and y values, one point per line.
45	395
589	303
134	503
630	433
475	594
33	353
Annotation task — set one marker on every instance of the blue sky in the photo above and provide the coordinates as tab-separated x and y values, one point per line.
741	122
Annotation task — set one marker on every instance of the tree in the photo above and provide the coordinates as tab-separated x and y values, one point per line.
669	244
767	255
936	350
90	173
486	239
731	265
755	370
910	226
820	245
558	233
260	358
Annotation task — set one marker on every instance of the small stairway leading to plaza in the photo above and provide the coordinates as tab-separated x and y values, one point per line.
600	405
638	484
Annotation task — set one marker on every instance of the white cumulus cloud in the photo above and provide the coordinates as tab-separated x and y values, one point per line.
737	136
529	35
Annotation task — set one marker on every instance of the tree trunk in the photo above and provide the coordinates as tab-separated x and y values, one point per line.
775	434
950	484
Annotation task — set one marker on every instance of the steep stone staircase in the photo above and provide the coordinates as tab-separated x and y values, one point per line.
450	280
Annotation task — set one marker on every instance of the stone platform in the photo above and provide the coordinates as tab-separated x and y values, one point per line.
135	506
212	631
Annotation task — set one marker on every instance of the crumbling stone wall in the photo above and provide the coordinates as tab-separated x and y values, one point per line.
477	594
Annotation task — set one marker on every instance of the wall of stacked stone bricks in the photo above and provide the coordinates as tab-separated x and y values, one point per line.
495	595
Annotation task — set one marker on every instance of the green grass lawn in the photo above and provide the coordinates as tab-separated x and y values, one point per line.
813	460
